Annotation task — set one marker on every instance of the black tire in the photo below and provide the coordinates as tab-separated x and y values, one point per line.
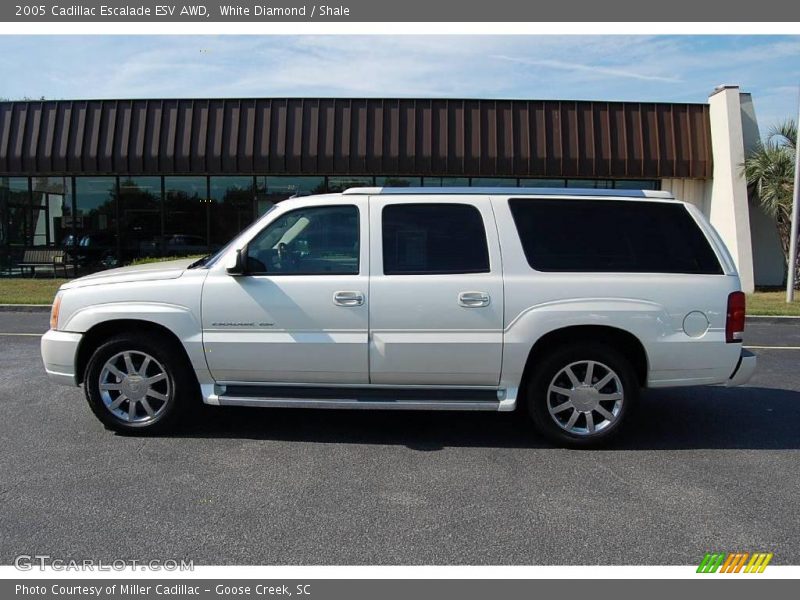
180	383
546	370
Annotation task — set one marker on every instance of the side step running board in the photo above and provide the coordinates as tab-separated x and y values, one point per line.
359	398
358	404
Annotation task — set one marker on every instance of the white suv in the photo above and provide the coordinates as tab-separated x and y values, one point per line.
562	302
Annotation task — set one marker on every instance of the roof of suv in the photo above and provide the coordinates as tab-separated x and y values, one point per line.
503	191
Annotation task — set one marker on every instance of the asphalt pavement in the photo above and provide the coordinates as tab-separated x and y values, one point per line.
700	469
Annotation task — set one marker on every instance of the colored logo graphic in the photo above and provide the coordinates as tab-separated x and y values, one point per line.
734	562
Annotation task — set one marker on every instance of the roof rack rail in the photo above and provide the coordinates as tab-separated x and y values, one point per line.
504	191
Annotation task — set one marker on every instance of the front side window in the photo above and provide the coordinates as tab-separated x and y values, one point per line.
427	239
318	240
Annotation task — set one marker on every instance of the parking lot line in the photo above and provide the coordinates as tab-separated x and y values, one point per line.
23	334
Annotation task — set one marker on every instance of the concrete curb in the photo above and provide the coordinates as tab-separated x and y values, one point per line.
25	308
772	319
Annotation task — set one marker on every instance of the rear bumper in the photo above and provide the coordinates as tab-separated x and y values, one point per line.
59	351
744	369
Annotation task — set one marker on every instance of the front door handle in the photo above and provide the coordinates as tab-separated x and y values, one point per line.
348	298
473	299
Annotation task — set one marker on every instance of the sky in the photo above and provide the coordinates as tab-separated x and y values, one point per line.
603	67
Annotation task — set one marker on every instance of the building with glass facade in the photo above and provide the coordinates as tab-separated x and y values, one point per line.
114	180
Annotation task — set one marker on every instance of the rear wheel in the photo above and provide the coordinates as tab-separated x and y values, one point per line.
138	384
581	395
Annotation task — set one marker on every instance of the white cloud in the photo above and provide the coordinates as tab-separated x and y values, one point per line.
644	68
593	69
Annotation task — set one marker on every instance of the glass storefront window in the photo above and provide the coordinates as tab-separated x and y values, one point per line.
394	181
231	208
494	182
543	183
185	217
590	183
340	184
15	226
271	190
636	184
95	222
15	219
140	212
52	203
112	220
445	181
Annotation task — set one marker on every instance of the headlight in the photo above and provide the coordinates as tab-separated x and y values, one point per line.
54	312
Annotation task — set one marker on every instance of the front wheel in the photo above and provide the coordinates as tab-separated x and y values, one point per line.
581	394
138	384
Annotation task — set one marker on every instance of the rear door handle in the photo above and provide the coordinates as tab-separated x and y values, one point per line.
348	298
473	299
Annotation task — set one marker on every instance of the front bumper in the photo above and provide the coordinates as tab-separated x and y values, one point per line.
59	354
744	370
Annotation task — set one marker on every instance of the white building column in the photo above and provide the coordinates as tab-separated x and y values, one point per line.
769	262
728	207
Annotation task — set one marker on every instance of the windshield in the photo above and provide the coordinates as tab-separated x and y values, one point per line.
211	259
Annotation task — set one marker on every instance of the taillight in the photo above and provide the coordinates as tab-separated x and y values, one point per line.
734	322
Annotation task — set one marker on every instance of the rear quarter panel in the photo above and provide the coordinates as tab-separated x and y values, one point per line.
652	307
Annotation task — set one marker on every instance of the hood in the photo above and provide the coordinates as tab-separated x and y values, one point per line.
171	269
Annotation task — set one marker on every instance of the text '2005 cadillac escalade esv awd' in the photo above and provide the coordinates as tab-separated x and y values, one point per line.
564	303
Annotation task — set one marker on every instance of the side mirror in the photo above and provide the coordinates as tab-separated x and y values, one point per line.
237	264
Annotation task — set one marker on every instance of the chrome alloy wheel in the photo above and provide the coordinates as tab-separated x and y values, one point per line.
585	397
134	387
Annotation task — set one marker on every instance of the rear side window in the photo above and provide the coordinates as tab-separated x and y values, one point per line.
612	236
423	239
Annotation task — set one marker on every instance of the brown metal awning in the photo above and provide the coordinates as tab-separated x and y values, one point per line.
447	138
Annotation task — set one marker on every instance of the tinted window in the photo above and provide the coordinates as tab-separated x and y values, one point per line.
321	240
433	238
612	236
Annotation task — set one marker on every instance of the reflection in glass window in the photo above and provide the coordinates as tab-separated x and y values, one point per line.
15	204
321	240
140	222
15	218
185	217
636	184
51	209
231	208
445	181
96	222
543	183
494	182
396	181
340	184
590	183
271	190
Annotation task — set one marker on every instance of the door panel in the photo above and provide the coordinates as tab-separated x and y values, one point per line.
441	328
279	327
282	329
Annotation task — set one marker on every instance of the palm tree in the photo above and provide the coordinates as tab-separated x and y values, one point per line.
769	170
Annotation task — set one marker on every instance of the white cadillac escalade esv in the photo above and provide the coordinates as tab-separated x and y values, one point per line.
564	303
